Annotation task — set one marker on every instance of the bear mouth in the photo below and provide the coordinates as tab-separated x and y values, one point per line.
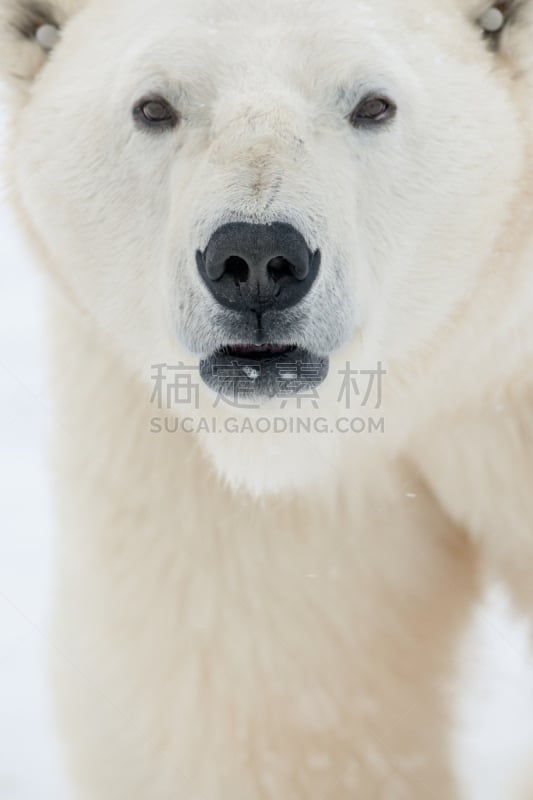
249	371
257	351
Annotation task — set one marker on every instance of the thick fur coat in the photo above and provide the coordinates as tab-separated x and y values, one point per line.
258	615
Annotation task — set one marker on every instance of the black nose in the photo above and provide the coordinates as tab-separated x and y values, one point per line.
258	267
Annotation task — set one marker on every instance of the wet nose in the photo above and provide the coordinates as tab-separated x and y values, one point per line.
258	268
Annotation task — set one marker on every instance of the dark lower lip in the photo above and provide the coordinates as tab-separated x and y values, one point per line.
265	371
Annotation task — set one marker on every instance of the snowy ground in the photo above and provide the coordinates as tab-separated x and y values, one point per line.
496	708
29	759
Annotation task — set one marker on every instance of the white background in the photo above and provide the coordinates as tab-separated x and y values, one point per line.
494	708
29	758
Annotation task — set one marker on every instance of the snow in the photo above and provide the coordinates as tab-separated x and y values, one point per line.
493	749
29	752
495	707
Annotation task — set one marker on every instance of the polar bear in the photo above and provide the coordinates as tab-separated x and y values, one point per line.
315	217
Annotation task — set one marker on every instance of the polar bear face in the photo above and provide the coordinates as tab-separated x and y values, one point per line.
252	184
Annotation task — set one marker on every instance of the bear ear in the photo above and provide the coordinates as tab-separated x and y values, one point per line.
507	26
29	31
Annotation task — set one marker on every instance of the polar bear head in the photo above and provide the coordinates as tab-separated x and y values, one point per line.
266	190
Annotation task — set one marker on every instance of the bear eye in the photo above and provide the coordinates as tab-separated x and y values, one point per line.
156	112
373	110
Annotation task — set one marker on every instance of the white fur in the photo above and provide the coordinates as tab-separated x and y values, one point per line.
278	619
